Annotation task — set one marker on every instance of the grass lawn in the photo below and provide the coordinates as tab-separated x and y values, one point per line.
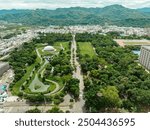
65	45
57	79
50	89
40	45
44	53
86	48
57	46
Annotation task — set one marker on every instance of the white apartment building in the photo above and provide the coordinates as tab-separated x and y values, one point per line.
145	56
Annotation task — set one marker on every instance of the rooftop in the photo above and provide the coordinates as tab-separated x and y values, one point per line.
2	88
49	48
147	47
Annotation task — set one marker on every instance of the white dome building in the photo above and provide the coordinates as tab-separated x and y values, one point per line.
49	48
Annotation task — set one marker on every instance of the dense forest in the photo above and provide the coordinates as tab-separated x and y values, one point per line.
22	57
113	15
114	81
51	38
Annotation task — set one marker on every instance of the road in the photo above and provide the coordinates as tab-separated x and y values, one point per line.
4	57
78	107
23	106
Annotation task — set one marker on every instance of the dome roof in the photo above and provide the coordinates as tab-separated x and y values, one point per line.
49	48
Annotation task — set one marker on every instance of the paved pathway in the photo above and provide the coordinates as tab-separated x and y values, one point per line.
21	107
37	51
56	89
79	105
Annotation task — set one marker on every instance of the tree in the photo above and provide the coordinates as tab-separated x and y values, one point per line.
110	97
36	98
43	79
35	110
72	87
55	110
139	97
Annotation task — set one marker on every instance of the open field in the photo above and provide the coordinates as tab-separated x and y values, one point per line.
86	48
61	45
58	46
124	42
43	53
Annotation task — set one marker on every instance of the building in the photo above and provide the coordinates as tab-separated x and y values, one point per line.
3	89
3	92
4	66
49	48
145	56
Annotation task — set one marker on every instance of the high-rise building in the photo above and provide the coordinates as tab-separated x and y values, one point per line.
145	56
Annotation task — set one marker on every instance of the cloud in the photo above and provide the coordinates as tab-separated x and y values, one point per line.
53	4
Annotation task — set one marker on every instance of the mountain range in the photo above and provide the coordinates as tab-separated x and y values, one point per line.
112	15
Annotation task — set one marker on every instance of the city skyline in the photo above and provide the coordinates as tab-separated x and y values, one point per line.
53	4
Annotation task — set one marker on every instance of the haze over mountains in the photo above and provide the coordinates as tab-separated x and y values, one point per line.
113	15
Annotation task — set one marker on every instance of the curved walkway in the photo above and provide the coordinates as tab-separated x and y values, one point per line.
37	82
37	51
55	90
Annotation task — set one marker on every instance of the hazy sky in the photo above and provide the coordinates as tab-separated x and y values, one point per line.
53	4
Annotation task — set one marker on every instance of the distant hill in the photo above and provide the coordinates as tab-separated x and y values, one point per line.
114	14
145	10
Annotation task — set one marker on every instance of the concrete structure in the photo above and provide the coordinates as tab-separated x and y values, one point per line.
4	66
12	99
145	56
49	48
